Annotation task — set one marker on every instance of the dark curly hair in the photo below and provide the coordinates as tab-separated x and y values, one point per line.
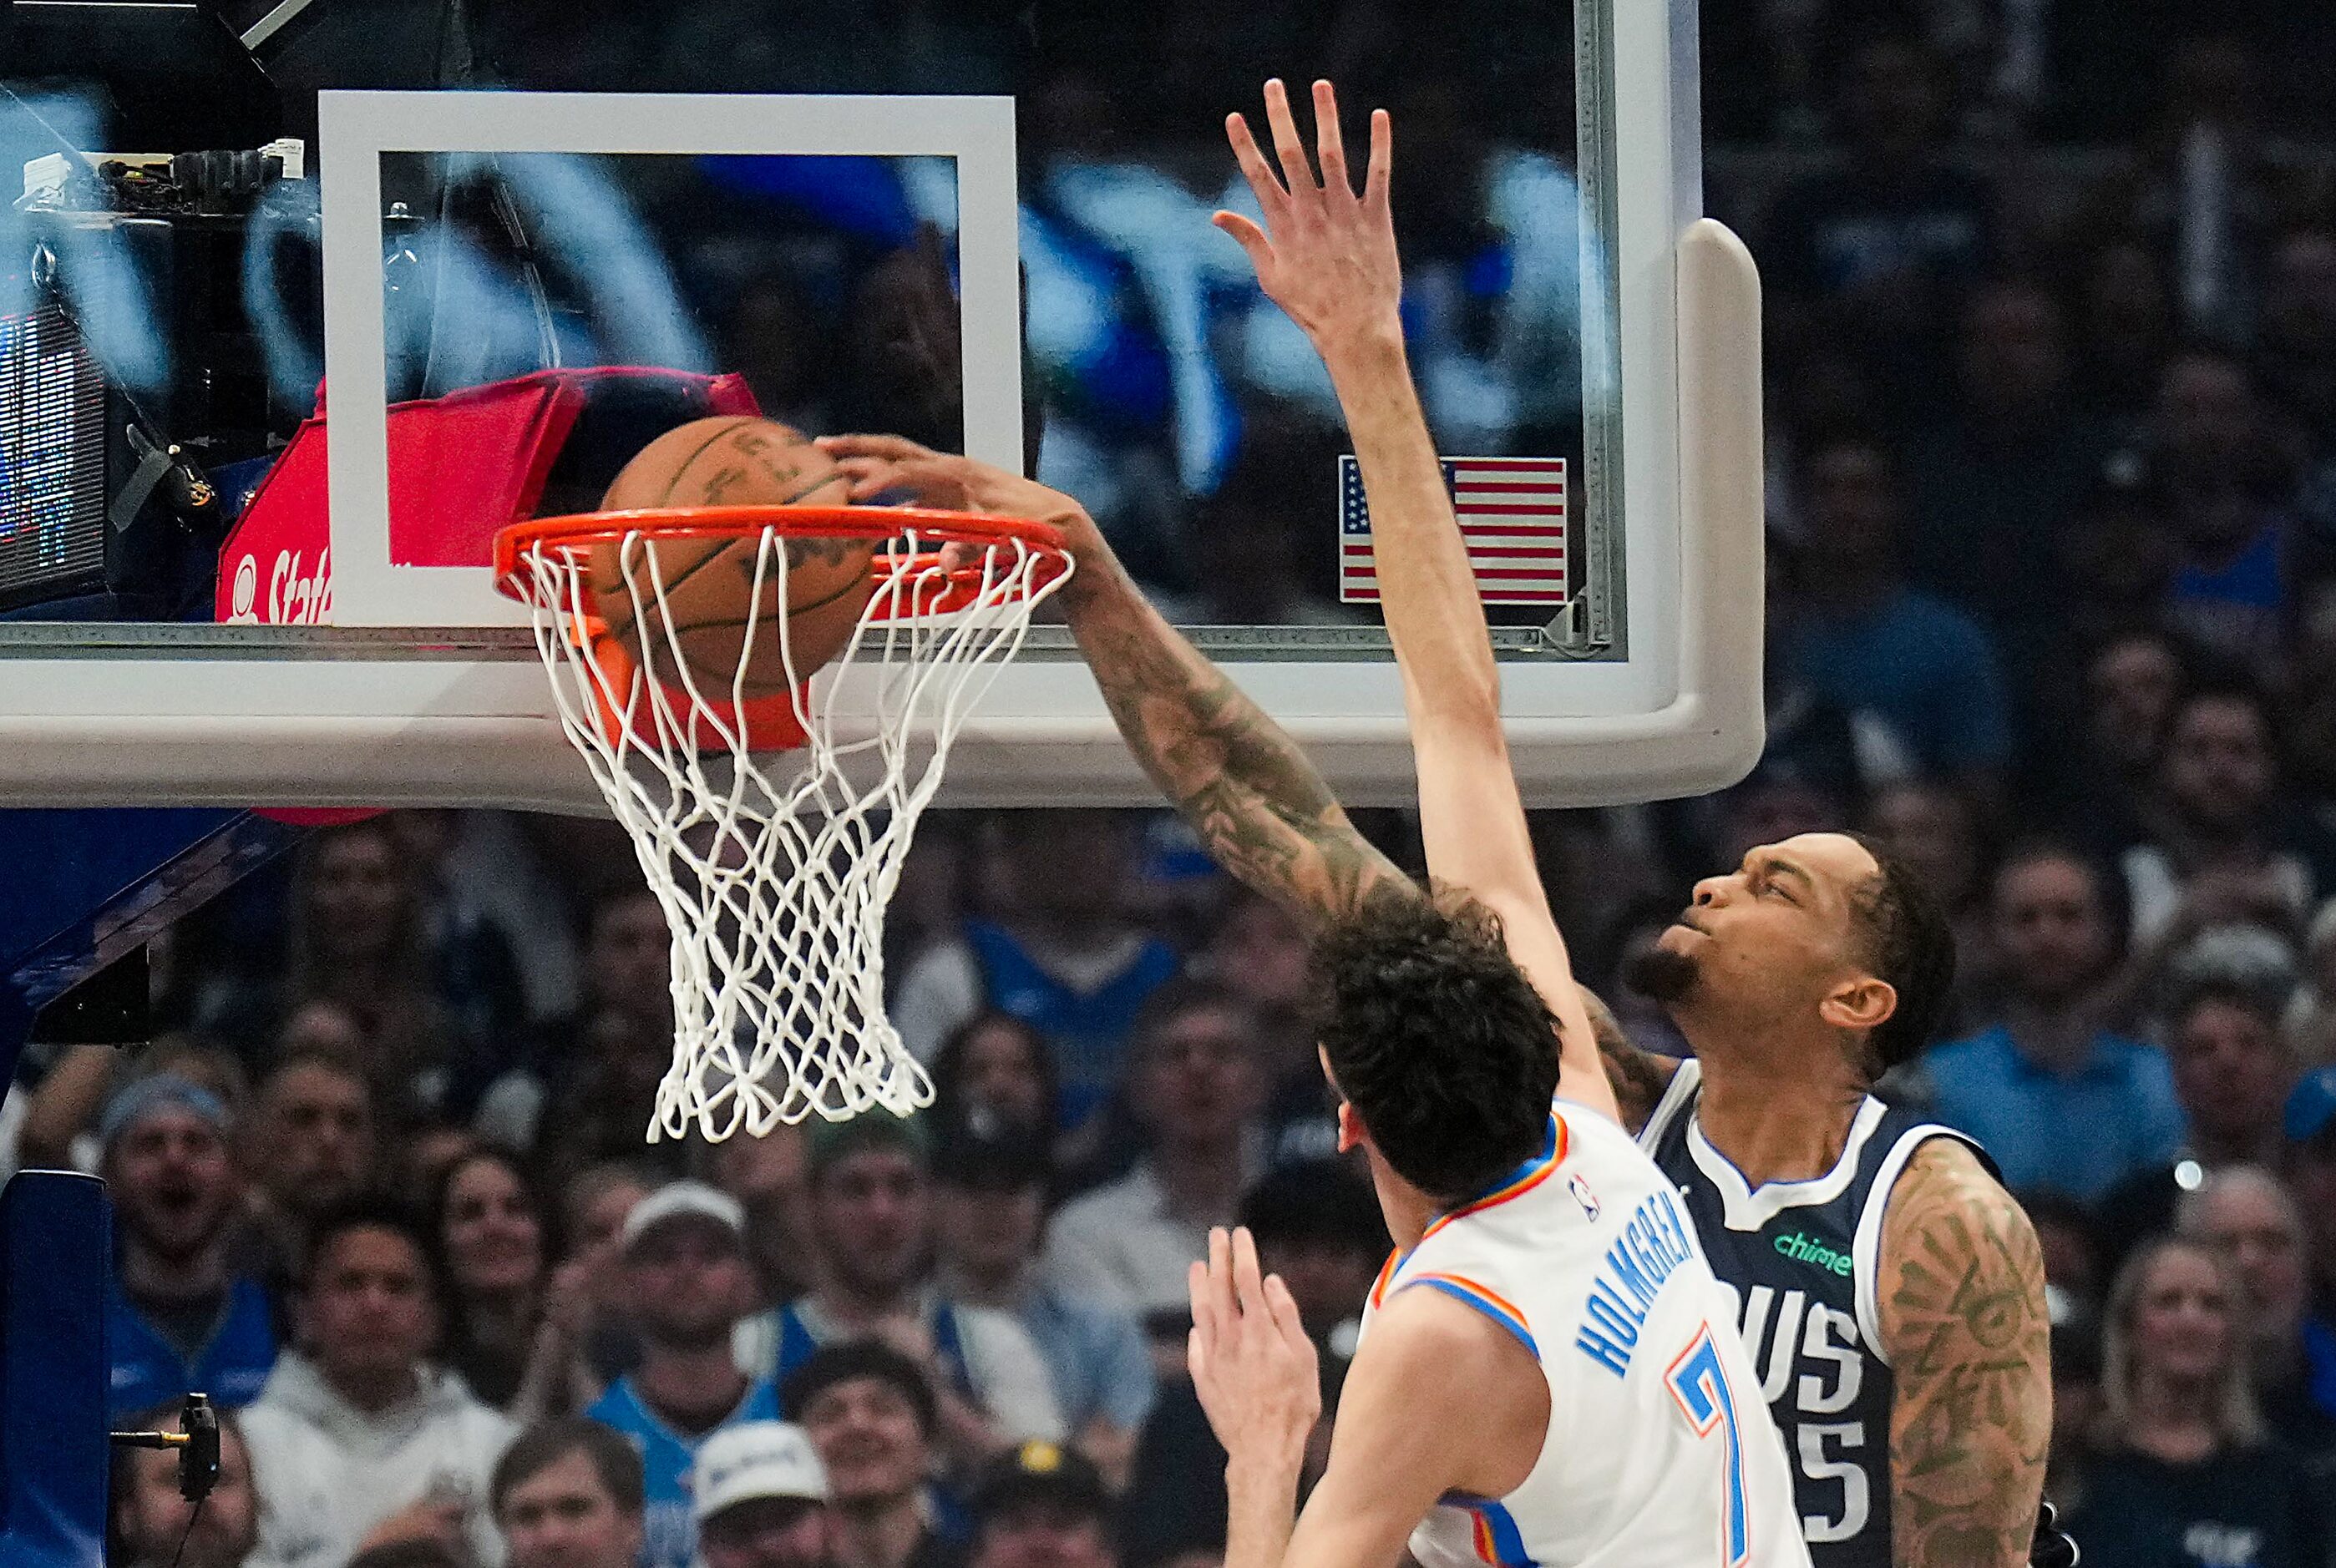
1912	946
1438	1040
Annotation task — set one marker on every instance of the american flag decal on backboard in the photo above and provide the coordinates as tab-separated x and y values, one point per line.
1512	517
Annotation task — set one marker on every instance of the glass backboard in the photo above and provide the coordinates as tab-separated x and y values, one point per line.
301	301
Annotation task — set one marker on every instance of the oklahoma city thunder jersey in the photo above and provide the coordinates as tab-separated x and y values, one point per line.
1659	1453
1799	1261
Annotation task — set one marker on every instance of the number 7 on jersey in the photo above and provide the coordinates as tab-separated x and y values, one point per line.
1699	1384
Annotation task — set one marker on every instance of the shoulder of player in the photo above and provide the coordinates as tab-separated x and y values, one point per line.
1953	1243
1437	1331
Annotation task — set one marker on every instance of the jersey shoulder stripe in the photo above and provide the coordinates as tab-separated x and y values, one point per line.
1483	1299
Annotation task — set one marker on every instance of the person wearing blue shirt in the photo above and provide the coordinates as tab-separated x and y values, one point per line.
2061	1103
688	1281
991	1208
1854	636
177	1317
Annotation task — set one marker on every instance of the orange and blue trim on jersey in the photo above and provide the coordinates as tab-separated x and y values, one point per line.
1469	1293
1518	1182
1498	1541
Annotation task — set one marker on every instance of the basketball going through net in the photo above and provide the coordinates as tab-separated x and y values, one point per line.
770	757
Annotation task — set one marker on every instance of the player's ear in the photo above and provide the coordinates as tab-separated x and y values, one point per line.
1350	1128
1864	1003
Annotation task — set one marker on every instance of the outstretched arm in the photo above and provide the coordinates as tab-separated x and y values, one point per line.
1327	257
1963	1318
1259	807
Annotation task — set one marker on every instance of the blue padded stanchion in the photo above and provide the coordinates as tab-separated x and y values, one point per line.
56	1241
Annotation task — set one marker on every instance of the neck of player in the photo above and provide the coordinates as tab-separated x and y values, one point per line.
1779	1115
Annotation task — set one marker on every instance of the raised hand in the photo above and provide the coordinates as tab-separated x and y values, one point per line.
1252	1366
1326	256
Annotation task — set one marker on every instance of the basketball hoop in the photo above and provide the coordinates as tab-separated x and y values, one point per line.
772	828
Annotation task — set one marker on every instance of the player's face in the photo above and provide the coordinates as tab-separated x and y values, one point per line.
1773	942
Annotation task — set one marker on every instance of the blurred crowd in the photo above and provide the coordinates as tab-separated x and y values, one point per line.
2052	355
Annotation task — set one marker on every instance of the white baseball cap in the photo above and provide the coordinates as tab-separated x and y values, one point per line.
755	1459
676	1199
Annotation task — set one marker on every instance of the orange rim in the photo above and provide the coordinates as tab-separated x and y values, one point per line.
587	530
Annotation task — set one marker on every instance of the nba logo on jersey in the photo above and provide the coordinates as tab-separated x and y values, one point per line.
1583	1195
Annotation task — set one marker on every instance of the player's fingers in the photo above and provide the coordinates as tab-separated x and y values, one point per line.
865	476
1249	236
1249	1280
1284	1308
1271	200
1196	1355
1329	142
1296	172
897	448
1221	1280
1382	164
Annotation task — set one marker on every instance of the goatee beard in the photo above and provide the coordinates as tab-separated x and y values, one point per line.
1660	974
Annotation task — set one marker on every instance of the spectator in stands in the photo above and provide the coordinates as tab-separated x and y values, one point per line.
2296	357
154	1526
1260	951
178	1317
587	1090
2131	682
991	1208
358	1437
1061	954
2232	1075
2229	487
2310	1166
586	1341
871	1221
870	1413
2125	327
687	1284
310	1146
441	1010
761	1499
1995	475
2182	1455
770	1175
2243	1212
1318	1226
1874	248
2049	1064
1936	829
1194	1082
2218	851
996	1074
1857	636
491	1233
568	1494
1040	1506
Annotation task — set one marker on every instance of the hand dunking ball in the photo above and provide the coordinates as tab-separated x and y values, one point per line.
709	601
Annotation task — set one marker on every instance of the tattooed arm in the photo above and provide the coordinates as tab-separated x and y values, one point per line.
1260	808
1637	1076
1962	1298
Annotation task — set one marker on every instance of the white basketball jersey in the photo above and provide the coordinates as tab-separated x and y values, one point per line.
1660	1452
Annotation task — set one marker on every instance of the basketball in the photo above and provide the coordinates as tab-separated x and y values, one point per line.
709	603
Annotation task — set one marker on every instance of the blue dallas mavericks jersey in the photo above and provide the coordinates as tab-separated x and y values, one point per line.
670	1524
1800	1258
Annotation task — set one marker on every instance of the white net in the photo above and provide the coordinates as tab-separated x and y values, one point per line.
774	867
